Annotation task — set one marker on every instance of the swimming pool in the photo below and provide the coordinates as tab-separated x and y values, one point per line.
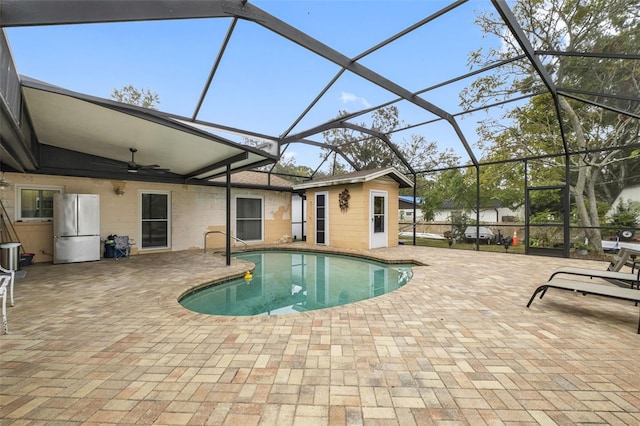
286	282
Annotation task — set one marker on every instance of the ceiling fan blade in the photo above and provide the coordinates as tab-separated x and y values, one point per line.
107	163
152	169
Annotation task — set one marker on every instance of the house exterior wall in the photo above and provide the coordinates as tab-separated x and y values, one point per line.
348	229
194	210
351	229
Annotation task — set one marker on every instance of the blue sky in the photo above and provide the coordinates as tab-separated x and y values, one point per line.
264	81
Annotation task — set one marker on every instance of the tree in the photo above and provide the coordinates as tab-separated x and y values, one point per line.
130	95
599	134
371	152
290	170
458	187
448	186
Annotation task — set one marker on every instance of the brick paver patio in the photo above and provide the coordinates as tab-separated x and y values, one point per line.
107	343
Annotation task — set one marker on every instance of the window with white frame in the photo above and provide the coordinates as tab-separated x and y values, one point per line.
35	202
249	218
155	220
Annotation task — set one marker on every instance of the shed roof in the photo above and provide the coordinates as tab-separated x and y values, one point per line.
357	177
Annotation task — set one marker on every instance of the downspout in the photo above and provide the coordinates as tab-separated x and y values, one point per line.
477	207
303	197
415	200
526	207
228	248
567	206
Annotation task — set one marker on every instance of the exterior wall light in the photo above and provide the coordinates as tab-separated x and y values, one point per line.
4	183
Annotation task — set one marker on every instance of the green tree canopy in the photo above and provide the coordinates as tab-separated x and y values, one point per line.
288	169
141	97
601	137
368	151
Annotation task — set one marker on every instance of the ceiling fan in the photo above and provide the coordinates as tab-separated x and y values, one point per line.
133	167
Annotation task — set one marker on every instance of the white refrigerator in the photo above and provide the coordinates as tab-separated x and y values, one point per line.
76	228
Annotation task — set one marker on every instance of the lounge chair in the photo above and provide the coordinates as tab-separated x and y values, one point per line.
588	288
613	274
621	279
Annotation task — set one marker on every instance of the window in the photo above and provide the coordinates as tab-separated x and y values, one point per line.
249	219
378	213
35	202
155	226
321	218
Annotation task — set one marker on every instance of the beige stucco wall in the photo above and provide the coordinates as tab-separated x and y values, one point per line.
351	229
194	210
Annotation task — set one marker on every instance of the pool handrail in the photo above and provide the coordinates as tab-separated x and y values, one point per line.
223	233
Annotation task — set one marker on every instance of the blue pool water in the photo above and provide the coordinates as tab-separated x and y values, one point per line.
288	282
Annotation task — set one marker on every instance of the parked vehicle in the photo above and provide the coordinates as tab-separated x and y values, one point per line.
486	235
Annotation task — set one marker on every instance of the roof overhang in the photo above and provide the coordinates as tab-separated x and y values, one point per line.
358	177
106	129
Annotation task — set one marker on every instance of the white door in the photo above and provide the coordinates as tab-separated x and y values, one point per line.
378	209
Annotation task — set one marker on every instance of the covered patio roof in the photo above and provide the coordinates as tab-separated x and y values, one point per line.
103	130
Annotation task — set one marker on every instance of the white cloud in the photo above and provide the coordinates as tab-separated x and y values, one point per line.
350	97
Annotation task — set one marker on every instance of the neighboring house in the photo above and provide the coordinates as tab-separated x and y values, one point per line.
355	210
490	214
405	208
630	193
181	213
493	214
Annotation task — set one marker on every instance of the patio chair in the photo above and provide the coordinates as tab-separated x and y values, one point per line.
5	281
625	257
12	274
122	246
